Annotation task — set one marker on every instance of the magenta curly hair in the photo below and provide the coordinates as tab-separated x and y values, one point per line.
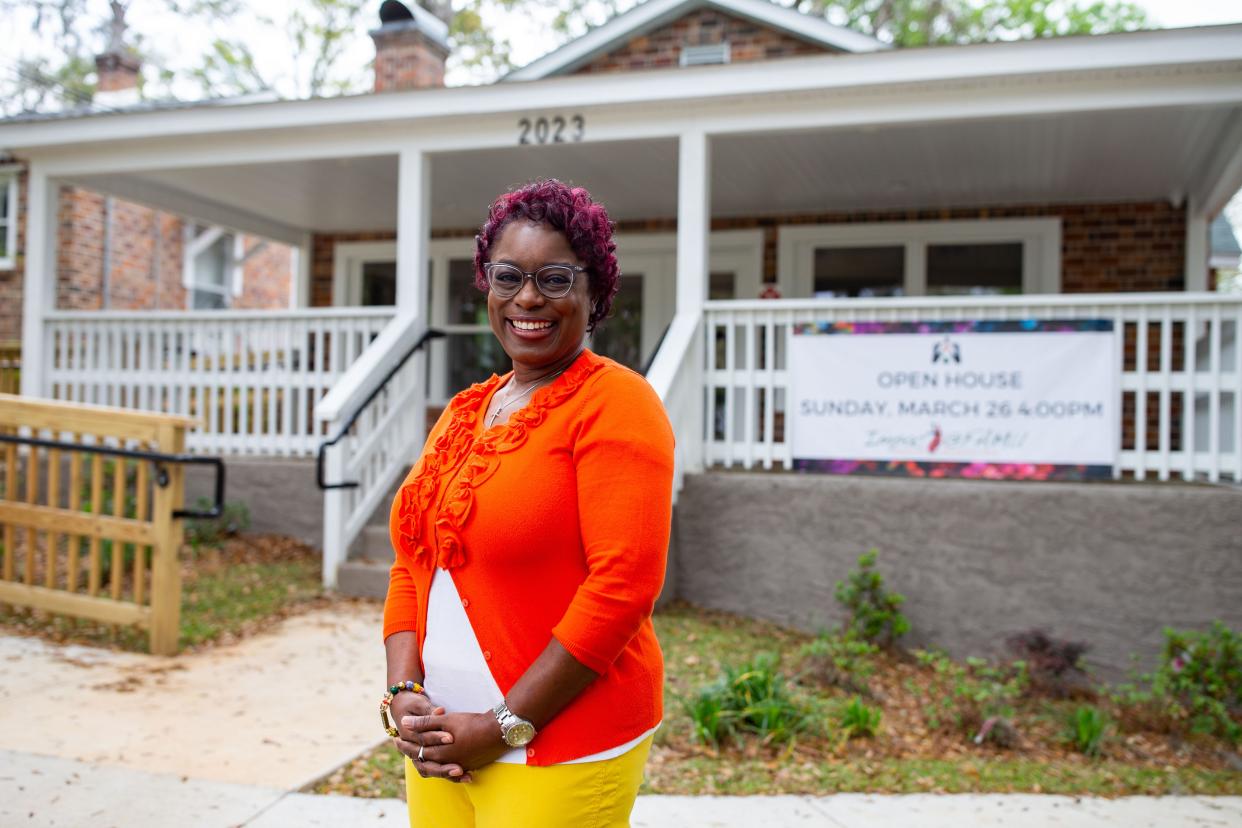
570	210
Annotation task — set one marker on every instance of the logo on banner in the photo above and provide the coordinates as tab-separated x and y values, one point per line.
946	351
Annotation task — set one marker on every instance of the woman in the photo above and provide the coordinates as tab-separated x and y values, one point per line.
530	546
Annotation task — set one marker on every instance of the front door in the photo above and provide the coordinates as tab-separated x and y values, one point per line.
643	306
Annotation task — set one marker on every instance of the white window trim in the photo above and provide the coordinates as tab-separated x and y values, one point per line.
11	173
1040	239
348	259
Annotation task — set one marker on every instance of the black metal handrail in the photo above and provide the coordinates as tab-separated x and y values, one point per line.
656	350
428	335
158	458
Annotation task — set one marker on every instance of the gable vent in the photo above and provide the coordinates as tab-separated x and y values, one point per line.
705	55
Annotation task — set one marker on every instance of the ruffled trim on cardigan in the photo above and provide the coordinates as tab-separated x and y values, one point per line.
445	547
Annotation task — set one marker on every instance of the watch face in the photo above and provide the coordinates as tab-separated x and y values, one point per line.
520	734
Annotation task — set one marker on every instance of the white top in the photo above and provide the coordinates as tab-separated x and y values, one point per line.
457	677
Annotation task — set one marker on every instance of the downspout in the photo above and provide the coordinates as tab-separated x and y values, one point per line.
156	252
106	288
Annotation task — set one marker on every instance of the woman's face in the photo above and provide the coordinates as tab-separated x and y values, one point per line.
539	334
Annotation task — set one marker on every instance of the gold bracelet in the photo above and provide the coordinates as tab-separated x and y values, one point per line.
385	719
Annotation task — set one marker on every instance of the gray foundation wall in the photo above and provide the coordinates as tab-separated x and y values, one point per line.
1111	564
281	494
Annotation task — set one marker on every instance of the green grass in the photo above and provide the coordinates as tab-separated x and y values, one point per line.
379	773
740	776
239	596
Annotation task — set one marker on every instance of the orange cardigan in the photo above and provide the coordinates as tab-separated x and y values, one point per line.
555	524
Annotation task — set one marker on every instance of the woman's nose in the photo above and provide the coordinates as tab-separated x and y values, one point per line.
529	295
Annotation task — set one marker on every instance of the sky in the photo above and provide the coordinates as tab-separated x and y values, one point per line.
176	43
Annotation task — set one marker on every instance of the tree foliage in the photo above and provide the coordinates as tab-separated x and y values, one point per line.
320	33
929	22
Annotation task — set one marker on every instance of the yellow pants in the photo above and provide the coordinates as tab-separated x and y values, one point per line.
587	795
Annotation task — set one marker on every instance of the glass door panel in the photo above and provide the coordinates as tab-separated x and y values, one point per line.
620	336
379	283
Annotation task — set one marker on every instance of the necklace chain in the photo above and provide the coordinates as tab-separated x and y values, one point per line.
510	400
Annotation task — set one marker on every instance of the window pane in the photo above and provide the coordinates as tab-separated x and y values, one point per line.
859	271
978	269
467	304
379	283
207	300
473	358
210	266
722	286
620	336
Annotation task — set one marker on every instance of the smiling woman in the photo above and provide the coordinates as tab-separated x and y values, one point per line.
525	679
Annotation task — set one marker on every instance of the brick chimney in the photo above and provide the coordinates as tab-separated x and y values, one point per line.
119	68
411	46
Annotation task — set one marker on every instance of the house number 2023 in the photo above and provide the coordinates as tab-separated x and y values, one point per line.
555	130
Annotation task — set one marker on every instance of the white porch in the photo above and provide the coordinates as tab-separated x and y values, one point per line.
1145	116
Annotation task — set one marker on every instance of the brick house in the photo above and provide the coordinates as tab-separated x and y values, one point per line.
113	253
744	151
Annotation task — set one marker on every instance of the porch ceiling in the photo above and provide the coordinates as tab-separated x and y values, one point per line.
1095	156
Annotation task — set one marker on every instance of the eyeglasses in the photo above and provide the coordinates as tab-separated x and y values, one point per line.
553	281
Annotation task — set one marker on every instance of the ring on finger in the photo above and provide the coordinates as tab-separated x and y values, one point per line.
420	753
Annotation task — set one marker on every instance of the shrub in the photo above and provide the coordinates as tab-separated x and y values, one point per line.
874	612
753	698
1054	664
1197	686
858	720
840	661
1087	726
235	518
976	699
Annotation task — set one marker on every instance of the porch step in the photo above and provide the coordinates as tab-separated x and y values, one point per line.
363	578
373	544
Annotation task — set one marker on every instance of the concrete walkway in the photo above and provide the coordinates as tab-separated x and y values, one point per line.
227	738
46	792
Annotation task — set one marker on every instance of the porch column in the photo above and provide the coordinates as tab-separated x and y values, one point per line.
693	226
413	230
693	219
39	277
1196	265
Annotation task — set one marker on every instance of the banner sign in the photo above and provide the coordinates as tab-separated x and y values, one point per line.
1021	399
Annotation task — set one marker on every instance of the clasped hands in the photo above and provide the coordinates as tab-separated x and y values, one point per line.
452	744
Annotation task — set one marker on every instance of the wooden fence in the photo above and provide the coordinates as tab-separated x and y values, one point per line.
10	367
87	534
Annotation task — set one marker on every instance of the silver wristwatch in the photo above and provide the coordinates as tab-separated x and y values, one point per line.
516	731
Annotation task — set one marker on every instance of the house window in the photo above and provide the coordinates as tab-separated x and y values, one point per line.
858	271
935	258
974	269
8	217
213	267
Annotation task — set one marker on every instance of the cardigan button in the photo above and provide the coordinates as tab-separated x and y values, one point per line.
465	602
487	655
530	752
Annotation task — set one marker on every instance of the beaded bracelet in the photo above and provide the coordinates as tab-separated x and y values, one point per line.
385	720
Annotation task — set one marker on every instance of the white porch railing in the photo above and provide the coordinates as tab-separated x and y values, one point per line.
252	379
676	374
382	441
1181	392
